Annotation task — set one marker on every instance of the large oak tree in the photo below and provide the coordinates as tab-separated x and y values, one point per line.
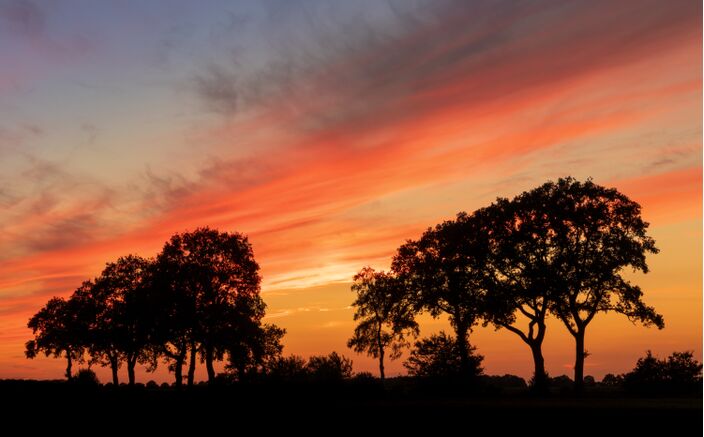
597	233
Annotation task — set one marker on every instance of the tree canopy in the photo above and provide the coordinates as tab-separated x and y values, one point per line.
445	272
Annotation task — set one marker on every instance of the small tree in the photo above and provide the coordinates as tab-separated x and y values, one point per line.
57	332
384	315
439	356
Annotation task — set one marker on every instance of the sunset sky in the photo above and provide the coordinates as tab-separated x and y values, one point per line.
330	132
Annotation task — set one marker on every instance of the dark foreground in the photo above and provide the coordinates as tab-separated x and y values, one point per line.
337	409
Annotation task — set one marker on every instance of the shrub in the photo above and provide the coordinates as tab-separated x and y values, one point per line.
333	367
87	378
678	373
438	357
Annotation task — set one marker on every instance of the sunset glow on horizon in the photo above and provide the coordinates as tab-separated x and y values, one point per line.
330	132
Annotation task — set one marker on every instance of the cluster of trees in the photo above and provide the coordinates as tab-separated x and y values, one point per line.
558	249
198	299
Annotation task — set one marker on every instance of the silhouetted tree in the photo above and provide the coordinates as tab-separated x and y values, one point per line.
330	368
218	273
439	356
57	332
123	326
384	314
174	314
445	272
596	233
521	264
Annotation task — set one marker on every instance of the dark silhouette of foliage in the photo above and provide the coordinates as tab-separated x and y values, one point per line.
439	356
174	316
505	381
329	368
562	383
445	272
384	316
122	325
596	232
291	368
678	373
255	354
86	378
611	380
521	266
199	297
216	273
57	332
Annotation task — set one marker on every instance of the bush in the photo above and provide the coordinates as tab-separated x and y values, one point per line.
364	376
505	381
611	380
333	367
292	368
438	357
86	378
679	373
562	383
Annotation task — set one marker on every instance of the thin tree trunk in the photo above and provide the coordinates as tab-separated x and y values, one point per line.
69	364
381	353
192	365
178	370
113	367
209	365
131	363
579	361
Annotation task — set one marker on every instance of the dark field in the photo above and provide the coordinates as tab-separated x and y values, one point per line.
342	408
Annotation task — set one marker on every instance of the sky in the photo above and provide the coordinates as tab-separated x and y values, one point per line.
330	132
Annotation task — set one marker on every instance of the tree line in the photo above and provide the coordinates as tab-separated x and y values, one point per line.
559	249
197	300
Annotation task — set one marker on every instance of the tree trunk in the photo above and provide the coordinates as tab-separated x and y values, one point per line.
540	378
178	370
381	353
113	367
461	331
192	365
579	361
209	365
131	363
69	364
